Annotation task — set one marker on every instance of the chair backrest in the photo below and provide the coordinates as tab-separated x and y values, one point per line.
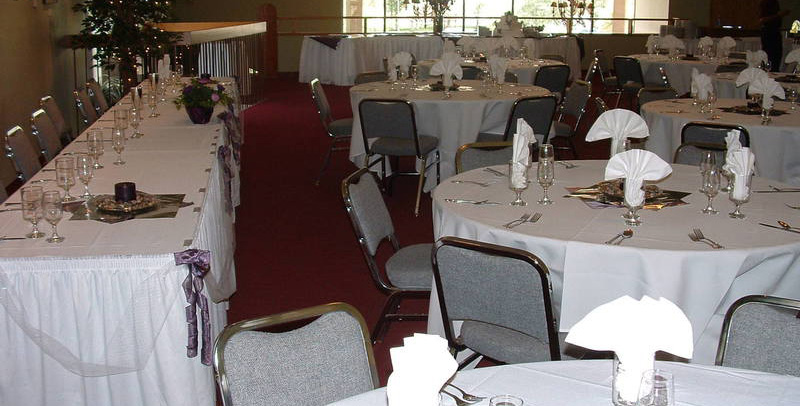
602	62
711	134
648	94
591	71
553	78
46	134
98	98
368	77
324	361
761	333
664	79
737	55
470	72
85	107
480	154
628	70
321	102
575	100
20	149
8	175
552	57
388	118
692	154
600	105
537	111
511	77
48	103
493	284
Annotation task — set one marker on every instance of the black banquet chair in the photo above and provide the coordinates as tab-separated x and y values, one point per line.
538	112
698	137
337	130
553	78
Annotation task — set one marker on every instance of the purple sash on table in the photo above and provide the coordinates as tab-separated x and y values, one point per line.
330	41
199	262
234	129
224	156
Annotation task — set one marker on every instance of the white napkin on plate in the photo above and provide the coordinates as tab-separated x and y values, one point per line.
793	56
750	74
740	163
403	60
498	66
705	42
671	42
634	330
420	368
448	66
653	41
701	84
509	41
725	44
520	160
768	88
733	142
755	58
636	166
618	124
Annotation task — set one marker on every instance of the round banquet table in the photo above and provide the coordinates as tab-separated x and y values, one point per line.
725	85
588	383
678	71
775	145
659	260
455	121
525	69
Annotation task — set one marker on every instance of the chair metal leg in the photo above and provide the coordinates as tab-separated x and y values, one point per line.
325	162
421	184
619	96
390	313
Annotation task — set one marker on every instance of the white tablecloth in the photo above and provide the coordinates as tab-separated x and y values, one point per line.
565	46
99	319
355	55
725	85
659	261
455	121
775	145
679	71
524	69
588	383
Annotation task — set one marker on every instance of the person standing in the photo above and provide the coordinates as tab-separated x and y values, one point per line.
771	17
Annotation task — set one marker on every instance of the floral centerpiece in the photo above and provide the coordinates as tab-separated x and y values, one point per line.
199	98
571	10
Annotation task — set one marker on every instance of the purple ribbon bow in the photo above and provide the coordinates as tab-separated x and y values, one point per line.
199	262
234	133
224	155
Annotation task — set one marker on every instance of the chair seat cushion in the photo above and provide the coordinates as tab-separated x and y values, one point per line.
410	267
631	87
341	127
561	129
503	344
403	146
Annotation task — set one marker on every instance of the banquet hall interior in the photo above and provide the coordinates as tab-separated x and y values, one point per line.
255	213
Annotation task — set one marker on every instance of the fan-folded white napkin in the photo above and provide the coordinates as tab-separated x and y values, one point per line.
725	44
391	68
733	142
671	42
520	159
498	66
750	74
403	60
634	330
448	46
636	166
755	58
448	66
618	124
163	66
768	88
793	56
653	41
420	368
705	42
701	84
509	41
740	163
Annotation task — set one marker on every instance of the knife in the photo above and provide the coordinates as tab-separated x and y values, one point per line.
778	191
12	238
466	201
779	228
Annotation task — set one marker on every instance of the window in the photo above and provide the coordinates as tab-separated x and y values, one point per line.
465	16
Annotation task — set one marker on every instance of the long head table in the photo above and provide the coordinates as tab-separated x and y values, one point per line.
99	319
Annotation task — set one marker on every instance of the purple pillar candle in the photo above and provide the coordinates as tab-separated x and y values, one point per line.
125	192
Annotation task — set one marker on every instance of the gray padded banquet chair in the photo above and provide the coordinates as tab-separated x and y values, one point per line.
538	112
610	83
471	73
98	98
338	130
86	109
573	106
48	103
761	333
731	68
648	94
46	134
369	77
481	154
600	106
502	295
553	78
591	71
324	361
392	126
8	175
511	77
629	76
408	271
19	148
697	137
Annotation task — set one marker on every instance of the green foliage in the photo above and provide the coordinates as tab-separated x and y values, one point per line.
202	93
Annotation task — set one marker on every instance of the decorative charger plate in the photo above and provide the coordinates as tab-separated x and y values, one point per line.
144	202
438	87
751	110
615	188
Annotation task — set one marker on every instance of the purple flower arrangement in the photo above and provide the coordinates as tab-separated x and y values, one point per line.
202	93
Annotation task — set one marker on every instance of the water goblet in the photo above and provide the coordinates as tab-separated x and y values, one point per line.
84	167
179	70
729	178
118	143
739	195
135	119
413	73
505	400
94	146
711	103
31	197
765	118
791	96
162	91
545	172
53	211
65	176
121	118
657	388
154	79
708	161
152	102
710	188
518	181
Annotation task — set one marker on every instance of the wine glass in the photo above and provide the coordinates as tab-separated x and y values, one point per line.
65	176
711	103
518	181
121	119
152	102
545	172
162	91
84	167
710	188
31	197
94	146
135	119
791	96
657	388
179	70
708	161
740	194
118	143
53	211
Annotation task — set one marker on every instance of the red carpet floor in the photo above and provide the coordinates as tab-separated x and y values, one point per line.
295	244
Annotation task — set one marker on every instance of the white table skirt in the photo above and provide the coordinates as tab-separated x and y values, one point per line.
455	121
588	383
565	46
775	145
659	261
725	85
524	69
99	319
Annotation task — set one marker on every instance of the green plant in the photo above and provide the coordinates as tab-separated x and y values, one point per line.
202	93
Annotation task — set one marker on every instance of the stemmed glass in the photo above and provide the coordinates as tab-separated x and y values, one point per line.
710	188
65	176
711	102
179	70
135	119
162	91
121	119
765	118
118	142
152	102
53	211
545	172
94	146
84	166
31	197
518	181
791	96
739	195
708	161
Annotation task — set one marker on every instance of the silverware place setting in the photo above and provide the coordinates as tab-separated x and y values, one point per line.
494	172
622	236
468	397
783	226
474	182
475	202
525	218
459	401
697	236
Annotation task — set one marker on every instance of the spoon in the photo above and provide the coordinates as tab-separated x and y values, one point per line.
625	235
787	225
621	236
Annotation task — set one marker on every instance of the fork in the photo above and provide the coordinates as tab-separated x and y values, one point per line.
787	205
534	218
698	236
459	401
473	182
466	396
514	223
